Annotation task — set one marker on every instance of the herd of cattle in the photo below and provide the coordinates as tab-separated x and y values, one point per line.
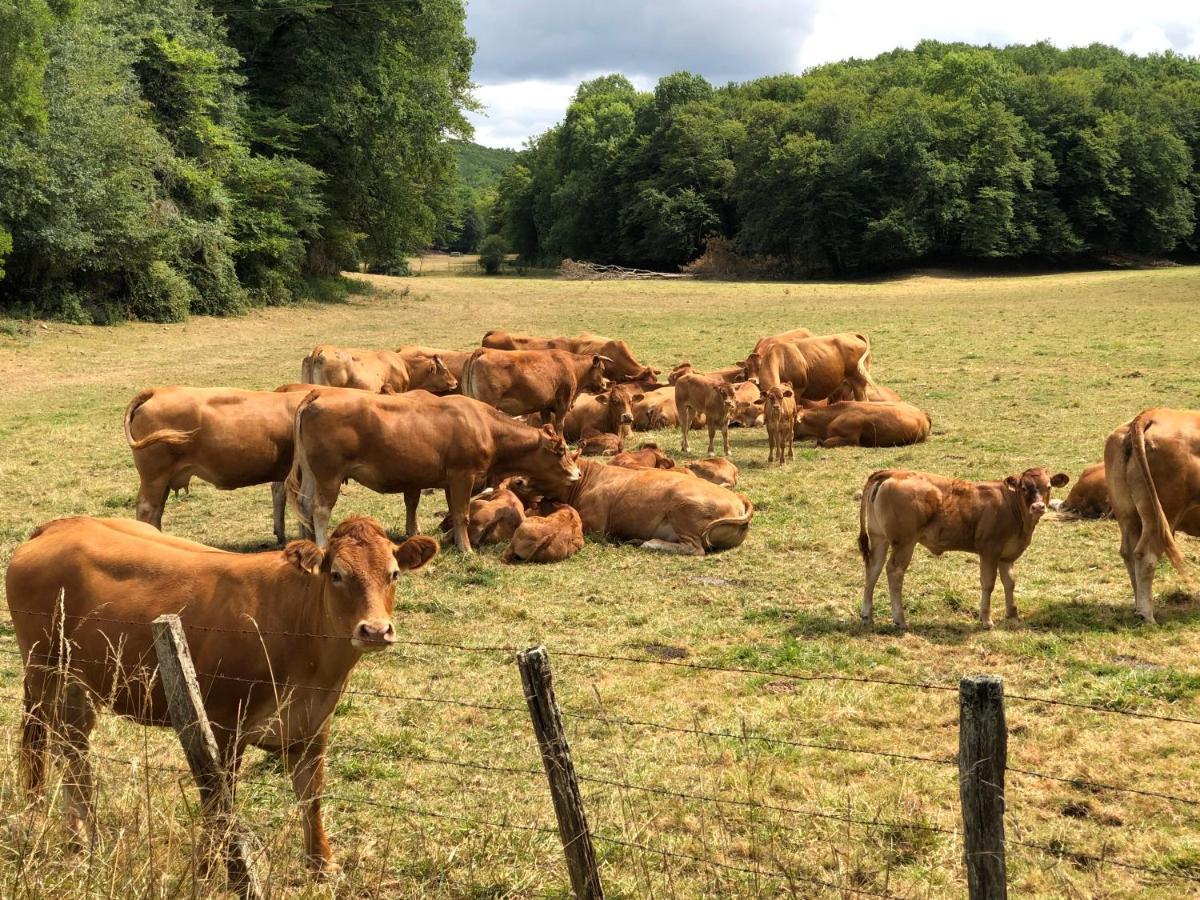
491	428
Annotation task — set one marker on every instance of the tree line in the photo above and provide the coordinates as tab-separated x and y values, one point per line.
177	156
946	151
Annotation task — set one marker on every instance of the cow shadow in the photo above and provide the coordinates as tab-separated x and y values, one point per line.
815	625
1079	616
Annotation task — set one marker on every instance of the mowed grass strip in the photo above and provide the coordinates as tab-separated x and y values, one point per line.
1015	372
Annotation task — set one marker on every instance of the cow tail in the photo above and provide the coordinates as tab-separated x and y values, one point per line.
172	436
1137	438
870	489
299	484
723	534
468	375
864	362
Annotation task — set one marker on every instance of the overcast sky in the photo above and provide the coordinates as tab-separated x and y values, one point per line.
533	53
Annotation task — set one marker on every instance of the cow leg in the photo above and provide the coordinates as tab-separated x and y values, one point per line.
896	567
306	765
1145	561
278	504
77	718
679	548
987	583
873	566
151	499
838	440
725	438
1006	578
685	423
35	735
770	445
458	498
1131	534
411	501
712	435
323	501
789	438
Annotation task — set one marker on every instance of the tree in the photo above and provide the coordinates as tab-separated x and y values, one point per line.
492	253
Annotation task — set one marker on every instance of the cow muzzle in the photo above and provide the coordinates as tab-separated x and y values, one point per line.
1037	509
626	419
370	636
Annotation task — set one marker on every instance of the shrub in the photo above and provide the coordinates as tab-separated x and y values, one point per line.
492	252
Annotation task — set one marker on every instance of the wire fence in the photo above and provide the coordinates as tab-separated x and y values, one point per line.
586	717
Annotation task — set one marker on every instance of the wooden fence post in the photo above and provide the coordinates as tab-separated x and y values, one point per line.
564	787
982	760
200	746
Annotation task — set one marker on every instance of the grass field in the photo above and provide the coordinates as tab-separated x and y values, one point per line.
1015	372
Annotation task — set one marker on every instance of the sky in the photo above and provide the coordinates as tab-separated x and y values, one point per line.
532	54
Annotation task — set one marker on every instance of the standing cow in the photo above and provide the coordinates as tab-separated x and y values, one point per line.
994	519
1152	465
519	382
274	637
707	396
779	415
817	366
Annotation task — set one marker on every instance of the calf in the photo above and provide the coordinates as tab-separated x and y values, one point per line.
709	396
647	456
596	443
406	442
518	382
995	519
619	362
779	413
1152	466
375	370
611	411
554	534
817	366
453	360
493	516
663	510
227	437
1088	498
719	471
747	411
274	637
853	423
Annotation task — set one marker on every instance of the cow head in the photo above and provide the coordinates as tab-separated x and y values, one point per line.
437	378
357	571
683	368
1031	490
746	414
595	379
773	398
551	468
751	366
728	398
619	404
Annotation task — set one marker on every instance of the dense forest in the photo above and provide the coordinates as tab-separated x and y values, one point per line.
947	151
160	158
480	169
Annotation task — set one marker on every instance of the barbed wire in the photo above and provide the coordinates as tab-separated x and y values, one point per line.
1099	785
1076	855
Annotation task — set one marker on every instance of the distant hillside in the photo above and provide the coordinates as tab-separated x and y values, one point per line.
481	167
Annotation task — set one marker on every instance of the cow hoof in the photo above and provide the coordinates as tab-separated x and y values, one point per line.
326	868
986	624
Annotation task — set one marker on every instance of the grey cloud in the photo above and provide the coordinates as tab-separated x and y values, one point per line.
520	39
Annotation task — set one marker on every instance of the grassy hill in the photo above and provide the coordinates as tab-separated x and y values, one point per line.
481	167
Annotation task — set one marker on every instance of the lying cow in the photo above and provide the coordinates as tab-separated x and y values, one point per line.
453	360
1152	466
747	411
657	410
995	519
619	365
708	396
555	533
647	456
663	510
375	370
734	374
817	366
273	636
519	382
493	516
853	423
611	412
227	437
876	393
1088	498
719	471
598	443
779	415
406	442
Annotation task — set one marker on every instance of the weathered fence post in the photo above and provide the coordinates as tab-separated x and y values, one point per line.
200	746
982	760
564	787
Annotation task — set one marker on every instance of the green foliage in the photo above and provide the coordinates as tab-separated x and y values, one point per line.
491	253
944	151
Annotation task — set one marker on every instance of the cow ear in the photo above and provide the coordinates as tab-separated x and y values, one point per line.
548	431
787	393
601	398
438	362
1012	482
415	552
1060	479
305	556
387	389
761	401
637	398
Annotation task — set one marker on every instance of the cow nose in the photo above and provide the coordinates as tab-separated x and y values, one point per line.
1038	508
377	635
626	418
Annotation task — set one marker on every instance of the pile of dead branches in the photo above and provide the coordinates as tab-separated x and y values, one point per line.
575	270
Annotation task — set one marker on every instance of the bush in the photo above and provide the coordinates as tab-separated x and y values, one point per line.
492	252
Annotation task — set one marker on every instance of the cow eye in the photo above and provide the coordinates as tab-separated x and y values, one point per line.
336	576
394	574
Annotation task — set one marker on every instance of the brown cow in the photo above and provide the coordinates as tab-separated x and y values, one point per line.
227	437
779	414
611	411
784	337
656	410
518	382
647	456
747	412
274	637
854	423
1088	498
599	443
453	360
619	365
492	516
734	374
1152	466
995	519
876	393
816	367
373	370
709	396
663	510
406	442
719	471
555	533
